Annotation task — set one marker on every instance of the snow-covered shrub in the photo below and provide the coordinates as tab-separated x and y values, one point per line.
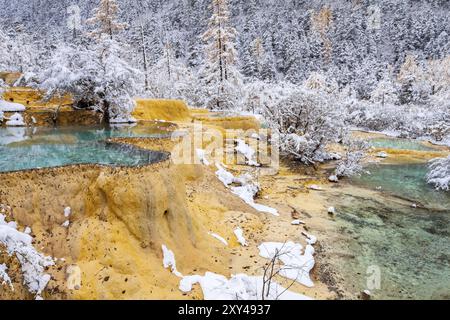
120	81
172	79
74	70
96	78
351	162
386	92
409	121
307	121
259	95
439	130
439	173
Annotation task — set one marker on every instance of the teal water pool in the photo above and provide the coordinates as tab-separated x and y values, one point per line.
409	245
403	144
31	148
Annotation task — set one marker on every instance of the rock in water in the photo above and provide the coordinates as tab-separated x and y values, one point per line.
382	154
333	178
366	295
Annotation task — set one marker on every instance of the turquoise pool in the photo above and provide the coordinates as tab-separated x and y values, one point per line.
410	246
30	148
403	144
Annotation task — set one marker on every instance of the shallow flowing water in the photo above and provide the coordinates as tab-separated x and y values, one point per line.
398	238
29	148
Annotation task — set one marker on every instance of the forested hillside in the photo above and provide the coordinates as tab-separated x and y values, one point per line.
354	41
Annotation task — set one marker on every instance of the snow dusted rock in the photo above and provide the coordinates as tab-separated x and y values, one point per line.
67	212
239	233
333	178
255	136
66	224
16	120
331	211
366	295
238	287
382	155
315	187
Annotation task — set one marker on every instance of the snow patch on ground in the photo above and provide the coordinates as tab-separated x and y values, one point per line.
6	106
239	233
310	239
66	224
201	155
223	175
67	212
247	191
4	277
238	287
16	120
247	152
33	263
297	265
169	261
216	236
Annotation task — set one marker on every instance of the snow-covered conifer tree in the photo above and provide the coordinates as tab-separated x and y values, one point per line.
386	91
220	75
105	19
5	52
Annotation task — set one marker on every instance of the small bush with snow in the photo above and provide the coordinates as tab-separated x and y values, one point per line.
439	173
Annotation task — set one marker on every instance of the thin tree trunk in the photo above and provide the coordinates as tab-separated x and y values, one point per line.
144	57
